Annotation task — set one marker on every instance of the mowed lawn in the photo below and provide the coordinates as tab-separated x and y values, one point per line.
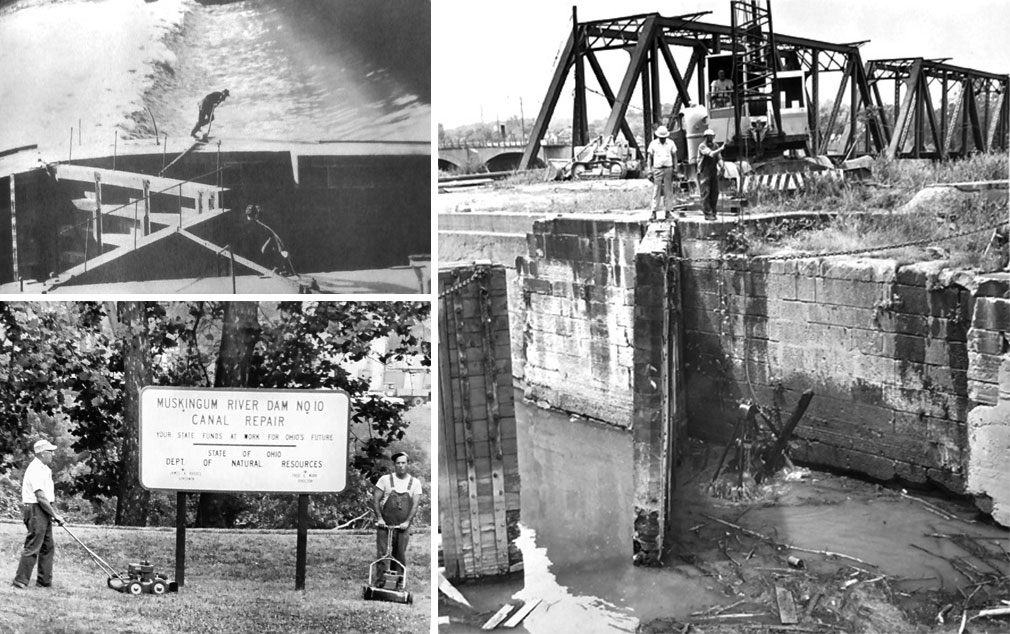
236	581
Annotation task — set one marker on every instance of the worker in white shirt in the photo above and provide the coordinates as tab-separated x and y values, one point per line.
37	496
662	158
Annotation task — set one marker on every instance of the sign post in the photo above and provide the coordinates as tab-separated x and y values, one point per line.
180	538
231	440
302	541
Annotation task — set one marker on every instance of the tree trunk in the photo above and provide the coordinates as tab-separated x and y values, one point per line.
239	334
133	504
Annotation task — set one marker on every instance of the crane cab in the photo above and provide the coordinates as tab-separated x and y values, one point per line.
757	124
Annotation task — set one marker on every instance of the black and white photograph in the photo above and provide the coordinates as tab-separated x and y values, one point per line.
215	466
723	314
215	146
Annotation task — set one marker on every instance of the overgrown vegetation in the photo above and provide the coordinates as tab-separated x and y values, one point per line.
893	184
891	207
883	212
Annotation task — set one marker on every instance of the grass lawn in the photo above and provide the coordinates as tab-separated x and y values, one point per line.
236	581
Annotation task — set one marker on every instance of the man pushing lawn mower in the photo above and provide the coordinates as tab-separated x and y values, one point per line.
37	497
395	502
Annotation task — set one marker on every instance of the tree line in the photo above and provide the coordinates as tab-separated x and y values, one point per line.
73	371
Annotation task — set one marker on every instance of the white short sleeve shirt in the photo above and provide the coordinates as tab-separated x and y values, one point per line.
37	477
390	483
663	154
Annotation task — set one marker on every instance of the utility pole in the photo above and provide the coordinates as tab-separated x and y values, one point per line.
522	118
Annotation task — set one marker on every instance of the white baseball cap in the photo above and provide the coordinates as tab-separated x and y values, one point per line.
43	445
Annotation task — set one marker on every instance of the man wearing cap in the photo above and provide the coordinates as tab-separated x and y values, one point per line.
662	157
395	501
721	91
207	107
709	164
37	497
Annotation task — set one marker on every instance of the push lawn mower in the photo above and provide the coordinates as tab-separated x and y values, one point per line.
139	578
388	586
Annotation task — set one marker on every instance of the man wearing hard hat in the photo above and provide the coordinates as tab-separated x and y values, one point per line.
661	161
709	165
37	497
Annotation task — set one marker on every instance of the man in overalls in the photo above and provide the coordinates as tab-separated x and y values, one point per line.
395	502
709	166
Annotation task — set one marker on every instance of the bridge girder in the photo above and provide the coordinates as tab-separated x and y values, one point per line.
648	38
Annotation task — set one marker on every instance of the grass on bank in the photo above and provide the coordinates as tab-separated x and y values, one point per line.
863	214
883	212
236	581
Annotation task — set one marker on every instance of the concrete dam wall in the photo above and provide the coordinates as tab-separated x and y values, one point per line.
334	208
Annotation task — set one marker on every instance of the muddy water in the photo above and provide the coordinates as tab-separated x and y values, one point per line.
577	493
877	526
577	511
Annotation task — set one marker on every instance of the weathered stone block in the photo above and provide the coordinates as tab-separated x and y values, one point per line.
984	366
806	288
808	268
983	393
859	270
953	354
994	285
992	314
850	292
988	341
989	446
947	379
920	273
780	287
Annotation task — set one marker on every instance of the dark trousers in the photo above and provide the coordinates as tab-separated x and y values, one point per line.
39	546
205	117
708	188
399	550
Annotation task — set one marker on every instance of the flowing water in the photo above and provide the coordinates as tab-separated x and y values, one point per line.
307	71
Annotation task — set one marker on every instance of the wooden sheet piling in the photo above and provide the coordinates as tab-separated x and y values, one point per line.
478	463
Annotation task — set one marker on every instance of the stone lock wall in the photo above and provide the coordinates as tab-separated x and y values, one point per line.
883	347
597	298
578	294
988	463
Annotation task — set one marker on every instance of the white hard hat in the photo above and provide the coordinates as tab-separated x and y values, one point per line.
710	132
662	132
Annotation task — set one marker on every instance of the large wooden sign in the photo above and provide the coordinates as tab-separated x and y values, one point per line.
243	440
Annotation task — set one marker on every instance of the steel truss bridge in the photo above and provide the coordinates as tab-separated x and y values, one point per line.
971	114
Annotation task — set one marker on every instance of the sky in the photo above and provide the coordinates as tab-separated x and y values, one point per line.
487	56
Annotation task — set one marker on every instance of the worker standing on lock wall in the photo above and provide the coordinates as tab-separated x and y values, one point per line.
709	166
662	157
